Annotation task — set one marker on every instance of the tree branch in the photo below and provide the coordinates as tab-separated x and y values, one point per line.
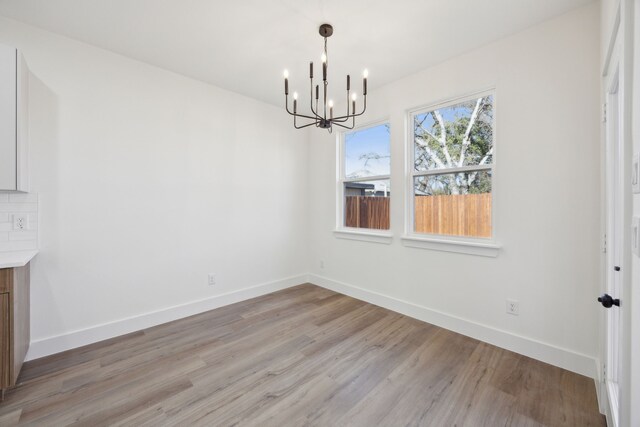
486	157
425	146
466	139
428	132
443	136
472	176
431	153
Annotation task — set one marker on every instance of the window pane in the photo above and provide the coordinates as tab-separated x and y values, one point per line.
466	129
453	204
366	204
367	152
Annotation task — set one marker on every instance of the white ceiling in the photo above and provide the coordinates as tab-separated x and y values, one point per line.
244	45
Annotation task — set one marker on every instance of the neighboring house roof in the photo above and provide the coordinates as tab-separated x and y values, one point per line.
359	185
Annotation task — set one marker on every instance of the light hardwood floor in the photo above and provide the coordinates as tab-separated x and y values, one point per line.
302	356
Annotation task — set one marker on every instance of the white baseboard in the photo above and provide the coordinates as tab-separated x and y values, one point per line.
557	356
79	338
551	354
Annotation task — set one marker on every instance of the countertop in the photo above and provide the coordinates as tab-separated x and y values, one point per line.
16	259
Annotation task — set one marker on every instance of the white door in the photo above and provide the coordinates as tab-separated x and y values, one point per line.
616	386
615	219
616	315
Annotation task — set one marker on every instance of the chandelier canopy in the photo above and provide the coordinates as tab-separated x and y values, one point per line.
318	116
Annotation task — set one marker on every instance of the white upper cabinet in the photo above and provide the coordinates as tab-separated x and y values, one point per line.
14	80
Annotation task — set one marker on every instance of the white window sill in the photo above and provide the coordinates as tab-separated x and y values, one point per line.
480	248
364	235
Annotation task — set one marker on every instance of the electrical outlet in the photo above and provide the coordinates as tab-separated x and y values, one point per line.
513	307
20	222
212	279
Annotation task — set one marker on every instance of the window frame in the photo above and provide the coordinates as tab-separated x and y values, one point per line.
484	246
354	233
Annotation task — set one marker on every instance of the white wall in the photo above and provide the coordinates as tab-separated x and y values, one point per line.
547	211
148	181
608	16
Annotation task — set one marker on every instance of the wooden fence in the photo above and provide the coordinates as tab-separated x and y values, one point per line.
367	212
453	215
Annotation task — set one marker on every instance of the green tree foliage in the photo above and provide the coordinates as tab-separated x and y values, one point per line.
452	137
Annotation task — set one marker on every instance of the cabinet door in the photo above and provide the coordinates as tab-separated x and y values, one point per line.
8	118
5	341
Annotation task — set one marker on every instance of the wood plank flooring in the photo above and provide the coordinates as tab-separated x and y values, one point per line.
302	356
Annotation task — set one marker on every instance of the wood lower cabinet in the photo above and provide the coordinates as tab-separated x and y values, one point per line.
14	323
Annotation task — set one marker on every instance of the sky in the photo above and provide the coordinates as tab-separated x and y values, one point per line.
370	140
449	114
376	140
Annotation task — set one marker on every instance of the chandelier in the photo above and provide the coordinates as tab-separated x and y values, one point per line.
318	116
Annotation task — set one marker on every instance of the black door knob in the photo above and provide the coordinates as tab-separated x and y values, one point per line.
607	301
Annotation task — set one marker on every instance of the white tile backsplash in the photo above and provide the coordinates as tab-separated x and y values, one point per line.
18	203
23	197
14	207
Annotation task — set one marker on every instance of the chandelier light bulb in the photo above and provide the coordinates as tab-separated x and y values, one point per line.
324	57
354	96
286	74
330	103
295	95
365	73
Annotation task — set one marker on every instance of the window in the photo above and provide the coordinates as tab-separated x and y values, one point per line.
365	178
452	167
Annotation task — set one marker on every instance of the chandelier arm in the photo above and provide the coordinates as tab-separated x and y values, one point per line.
341	119
296	114
295	124
354	115
302	116
345	118
315	113
303	126
348	103
353	124
343	126
363	109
